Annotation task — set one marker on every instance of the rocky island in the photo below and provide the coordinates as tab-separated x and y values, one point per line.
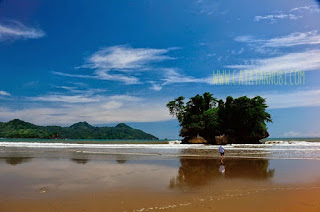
205	119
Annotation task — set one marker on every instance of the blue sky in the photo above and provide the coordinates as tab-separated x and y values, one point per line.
107	62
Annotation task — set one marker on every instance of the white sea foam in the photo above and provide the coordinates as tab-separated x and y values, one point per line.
283	145
292	142
279	143
107	146
175	142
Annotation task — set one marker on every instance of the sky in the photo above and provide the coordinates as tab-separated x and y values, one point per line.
107	62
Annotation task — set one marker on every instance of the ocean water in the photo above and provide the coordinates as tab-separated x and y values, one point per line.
82	141
288	148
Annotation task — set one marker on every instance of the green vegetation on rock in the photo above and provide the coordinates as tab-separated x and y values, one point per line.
82	130
240	120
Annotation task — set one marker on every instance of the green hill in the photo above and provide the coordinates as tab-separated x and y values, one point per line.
81	130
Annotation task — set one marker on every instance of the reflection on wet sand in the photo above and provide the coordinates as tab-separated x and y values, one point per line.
16	160
121	159
57	184
198	172
80	160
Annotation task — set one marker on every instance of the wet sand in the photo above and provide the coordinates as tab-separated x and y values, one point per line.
268	199
131	183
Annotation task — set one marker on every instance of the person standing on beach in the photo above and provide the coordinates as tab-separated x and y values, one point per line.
221	150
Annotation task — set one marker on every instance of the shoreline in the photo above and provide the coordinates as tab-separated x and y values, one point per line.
283	150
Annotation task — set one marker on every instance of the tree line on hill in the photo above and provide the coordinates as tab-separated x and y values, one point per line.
19	129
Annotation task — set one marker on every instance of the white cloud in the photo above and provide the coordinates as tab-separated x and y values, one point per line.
104	74
287	99
73	75
274	17
68	88
293	39
211	54
125	98
4	93
308	60
16	30
121	63
78	90
125	57
155	86
109	109
64	98
124	108
112	105
303	61
234	52
172	76
84	98
307	98
295	134
308	9
291	134
293	14
244	38
207	7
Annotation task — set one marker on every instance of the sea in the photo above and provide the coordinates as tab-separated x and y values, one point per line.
273	148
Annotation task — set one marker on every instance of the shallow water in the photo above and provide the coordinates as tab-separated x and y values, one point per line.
275	149
29	169
29	175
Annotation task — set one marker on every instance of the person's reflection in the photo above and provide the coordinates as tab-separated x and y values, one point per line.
199	172
222	168
16	160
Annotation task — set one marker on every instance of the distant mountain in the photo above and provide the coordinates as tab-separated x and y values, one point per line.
81	125
82	130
